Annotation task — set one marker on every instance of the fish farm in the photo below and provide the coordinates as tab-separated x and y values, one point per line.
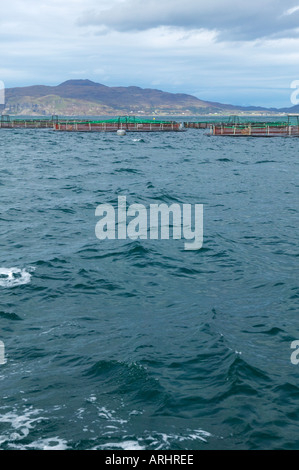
233	127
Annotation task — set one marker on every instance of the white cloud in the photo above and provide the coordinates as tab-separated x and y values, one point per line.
291	11
233	19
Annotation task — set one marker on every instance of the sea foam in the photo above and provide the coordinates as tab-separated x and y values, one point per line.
13	277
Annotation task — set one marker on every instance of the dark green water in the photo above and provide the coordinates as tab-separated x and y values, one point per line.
140	344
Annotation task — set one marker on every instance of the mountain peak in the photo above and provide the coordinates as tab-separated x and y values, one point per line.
79	83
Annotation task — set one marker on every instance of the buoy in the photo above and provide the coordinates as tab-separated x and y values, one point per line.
121	132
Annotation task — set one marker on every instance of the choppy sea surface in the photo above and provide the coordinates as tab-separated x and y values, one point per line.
124	344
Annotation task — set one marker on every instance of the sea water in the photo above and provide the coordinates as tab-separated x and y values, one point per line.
139	344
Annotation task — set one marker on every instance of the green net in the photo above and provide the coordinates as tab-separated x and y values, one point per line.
115	120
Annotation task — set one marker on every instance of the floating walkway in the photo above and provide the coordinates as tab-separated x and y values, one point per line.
198	125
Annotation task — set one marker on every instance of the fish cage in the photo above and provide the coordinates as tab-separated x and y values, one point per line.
290	128
129	124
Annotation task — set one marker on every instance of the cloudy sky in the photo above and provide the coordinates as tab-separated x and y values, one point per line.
231	51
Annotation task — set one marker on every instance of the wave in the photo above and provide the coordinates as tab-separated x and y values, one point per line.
13	277
157	441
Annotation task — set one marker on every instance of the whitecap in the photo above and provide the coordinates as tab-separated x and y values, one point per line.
125	445
13	277
164	441
19	425
16	427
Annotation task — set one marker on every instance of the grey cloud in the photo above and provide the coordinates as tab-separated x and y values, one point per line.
232	19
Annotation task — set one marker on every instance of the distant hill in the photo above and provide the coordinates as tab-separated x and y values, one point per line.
84	97
293	110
